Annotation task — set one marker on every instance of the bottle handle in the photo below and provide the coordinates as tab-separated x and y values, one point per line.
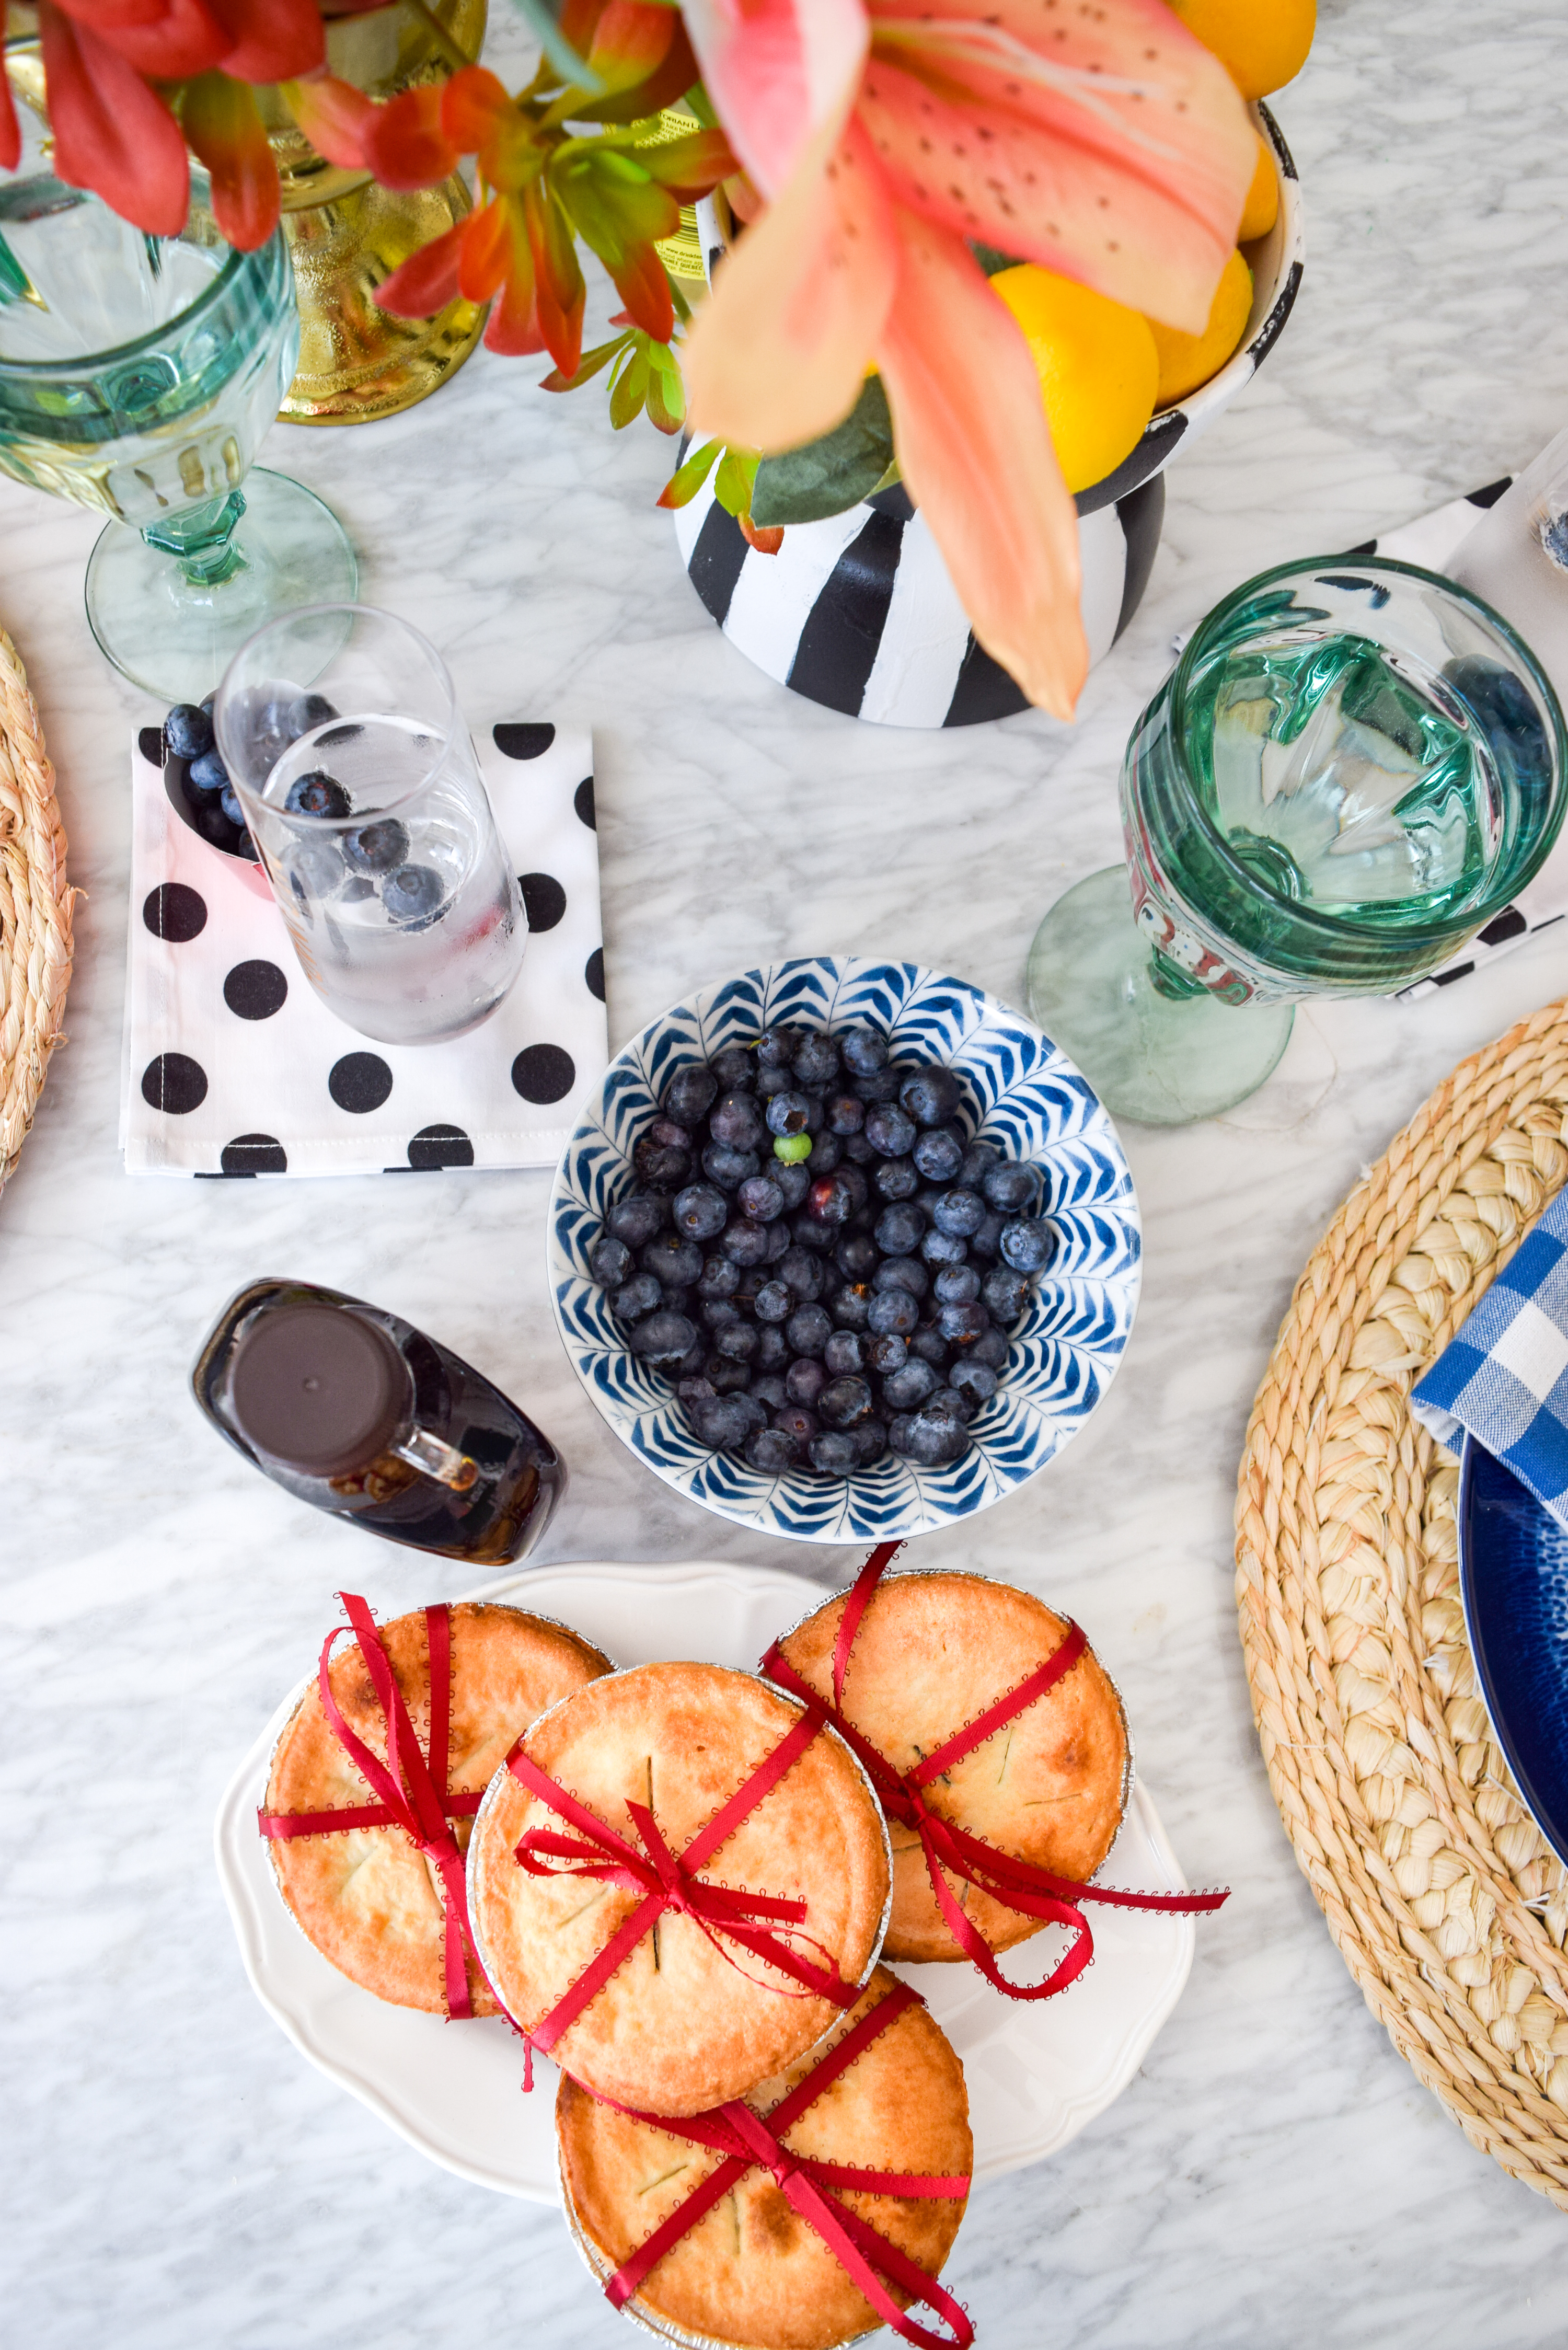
427	1453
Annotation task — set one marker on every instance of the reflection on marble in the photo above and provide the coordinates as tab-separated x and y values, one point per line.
1275	2176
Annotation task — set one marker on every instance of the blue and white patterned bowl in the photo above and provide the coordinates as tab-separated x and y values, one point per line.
1021	1092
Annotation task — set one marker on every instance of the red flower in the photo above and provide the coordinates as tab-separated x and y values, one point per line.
117	135
520	245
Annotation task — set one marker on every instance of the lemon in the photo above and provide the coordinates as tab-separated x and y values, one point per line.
1261	44
1098	366
1188	360
1262	209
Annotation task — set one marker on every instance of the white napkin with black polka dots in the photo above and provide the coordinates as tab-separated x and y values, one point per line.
233	1065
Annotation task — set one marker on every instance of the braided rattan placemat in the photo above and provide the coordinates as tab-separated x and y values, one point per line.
1448	1906
35	908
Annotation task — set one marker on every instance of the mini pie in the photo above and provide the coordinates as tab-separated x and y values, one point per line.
932	1652
681	2025
367	1897
752	2271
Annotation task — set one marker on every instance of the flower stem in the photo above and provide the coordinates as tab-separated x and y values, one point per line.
454	54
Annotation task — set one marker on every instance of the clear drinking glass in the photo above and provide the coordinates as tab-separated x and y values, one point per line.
342	736
138	375
1353	767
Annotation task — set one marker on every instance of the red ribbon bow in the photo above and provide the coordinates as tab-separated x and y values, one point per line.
1018	1885
749	2142
670	1881
413	1792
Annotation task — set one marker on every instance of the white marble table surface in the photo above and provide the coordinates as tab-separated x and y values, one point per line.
176	2174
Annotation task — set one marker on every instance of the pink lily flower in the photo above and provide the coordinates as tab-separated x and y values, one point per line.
1096	137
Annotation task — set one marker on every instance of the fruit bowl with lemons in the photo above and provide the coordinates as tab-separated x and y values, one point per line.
854	606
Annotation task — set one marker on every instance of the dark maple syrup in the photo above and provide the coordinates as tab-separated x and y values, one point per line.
353	1410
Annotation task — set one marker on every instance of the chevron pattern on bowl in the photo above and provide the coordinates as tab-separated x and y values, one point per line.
1020	1092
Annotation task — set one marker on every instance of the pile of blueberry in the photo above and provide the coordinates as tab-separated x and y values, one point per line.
215	810
818	1255
373	856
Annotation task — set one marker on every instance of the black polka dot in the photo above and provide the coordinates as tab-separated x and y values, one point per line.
583	801
174	912
359	1082
441	1146
543	898
254	991
255	1154
175	1083
543	1073
524	741
593	972
149	743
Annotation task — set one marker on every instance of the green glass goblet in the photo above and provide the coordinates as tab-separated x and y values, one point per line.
138	375
1352	769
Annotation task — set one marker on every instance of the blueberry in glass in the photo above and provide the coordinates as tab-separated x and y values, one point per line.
375	849
316	793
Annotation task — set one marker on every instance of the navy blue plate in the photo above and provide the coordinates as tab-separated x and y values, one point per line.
1513	1580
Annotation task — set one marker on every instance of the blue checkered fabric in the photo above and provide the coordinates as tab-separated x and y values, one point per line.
1504	1376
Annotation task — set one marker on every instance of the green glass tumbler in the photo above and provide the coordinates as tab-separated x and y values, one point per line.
138	377
1353	768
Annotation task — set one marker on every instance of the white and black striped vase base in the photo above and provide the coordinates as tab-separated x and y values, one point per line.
858	613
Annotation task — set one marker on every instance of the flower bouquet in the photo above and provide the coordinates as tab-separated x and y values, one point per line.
884	159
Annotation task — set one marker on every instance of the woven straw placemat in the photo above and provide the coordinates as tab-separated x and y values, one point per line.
35	908
1448	1906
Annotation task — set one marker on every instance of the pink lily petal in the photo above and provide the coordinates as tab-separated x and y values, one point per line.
777	72
779	352
1116	149
969	430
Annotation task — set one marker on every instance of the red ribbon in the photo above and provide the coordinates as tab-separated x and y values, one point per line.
749	2142
1018	1885
670	1881
413	1792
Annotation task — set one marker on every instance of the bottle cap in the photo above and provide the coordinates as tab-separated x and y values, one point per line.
318	1388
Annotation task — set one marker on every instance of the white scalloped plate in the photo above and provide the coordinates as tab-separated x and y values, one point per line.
1036	2074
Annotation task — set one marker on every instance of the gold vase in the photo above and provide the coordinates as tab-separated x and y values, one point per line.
346	235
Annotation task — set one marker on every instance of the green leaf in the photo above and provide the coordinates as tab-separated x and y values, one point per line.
629	391
830	476
732	488
702	106
687	479
991	258
589	365
666	399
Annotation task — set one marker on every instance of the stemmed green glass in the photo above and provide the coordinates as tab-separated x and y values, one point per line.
1352	769
138	375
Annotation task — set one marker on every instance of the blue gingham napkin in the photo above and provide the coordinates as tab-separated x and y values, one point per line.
1504	1375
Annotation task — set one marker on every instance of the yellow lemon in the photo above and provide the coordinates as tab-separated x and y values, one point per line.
1261	44
1262	209
1097	365
1188	360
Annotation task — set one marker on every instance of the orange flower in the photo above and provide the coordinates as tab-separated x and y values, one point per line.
543	191
1101	140
118	135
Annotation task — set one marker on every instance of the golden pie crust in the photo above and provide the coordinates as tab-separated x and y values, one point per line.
367	1897
753	2273
678	2027
932	1652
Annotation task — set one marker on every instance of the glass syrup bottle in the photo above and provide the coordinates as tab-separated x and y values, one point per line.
353	1410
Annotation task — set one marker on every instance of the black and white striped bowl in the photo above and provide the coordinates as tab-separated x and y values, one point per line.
858	613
